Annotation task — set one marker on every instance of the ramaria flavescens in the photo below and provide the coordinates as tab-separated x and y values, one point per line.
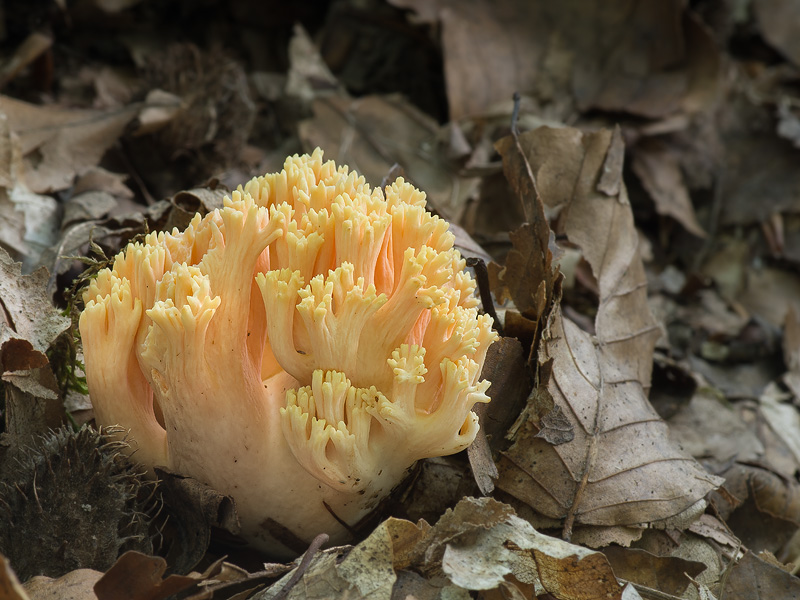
305	344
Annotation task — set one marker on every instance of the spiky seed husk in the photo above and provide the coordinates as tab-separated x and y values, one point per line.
72	500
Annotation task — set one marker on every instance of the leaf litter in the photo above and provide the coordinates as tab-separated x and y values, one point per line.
635	205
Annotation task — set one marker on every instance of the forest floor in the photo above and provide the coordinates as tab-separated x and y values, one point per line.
622	176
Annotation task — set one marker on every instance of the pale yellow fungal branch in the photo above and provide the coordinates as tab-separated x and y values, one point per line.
302	346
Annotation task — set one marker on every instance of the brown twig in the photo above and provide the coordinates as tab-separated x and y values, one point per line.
339	520
305	562
482	277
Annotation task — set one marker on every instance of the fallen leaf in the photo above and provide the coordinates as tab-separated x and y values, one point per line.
602	227
60	143
29	222
783	418
362	572
406	537
529	277
555	428
308	75
791	350
438	485
757	164
30	324
598	54
506	368
712	528
75	585
476	546
709	427
411	586
194	509
666	574
98	179
621	468
600	537
479	40
660	174
115	6
42	218
160	109
368	567
28	51
136	576
752	577
33	404
10	587
760	507
777	22
87	206
481	462
28	327
484	541
738	381
769	292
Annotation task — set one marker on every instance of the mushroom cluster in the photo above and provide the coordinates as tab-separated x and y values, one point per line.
298	349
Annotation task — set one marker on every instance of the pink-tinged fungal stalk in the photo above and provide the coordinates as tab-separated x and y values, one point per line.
302	346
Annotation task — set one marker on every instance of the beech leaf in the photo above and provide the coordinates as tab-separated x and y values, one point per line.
621	467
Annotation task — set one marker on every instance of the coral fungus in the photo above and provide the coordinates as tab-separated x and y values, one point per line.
304	345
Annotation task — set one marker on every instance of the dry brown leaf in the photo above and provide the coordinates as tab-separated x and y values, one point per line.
492	49
777	21
98	179
10	587
660	173
481	461
30	323
666	574
791	350
481	541
373	133
767	509
783	418
136	576
708	426
769	292
309	75
28	222
506	368
621	468
60	143
597	54
752	577
602	227
529	277
161	108
601	537
406	537
115	6
411	586
28	51
194	509
33	404
361	572
754	162
75	585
